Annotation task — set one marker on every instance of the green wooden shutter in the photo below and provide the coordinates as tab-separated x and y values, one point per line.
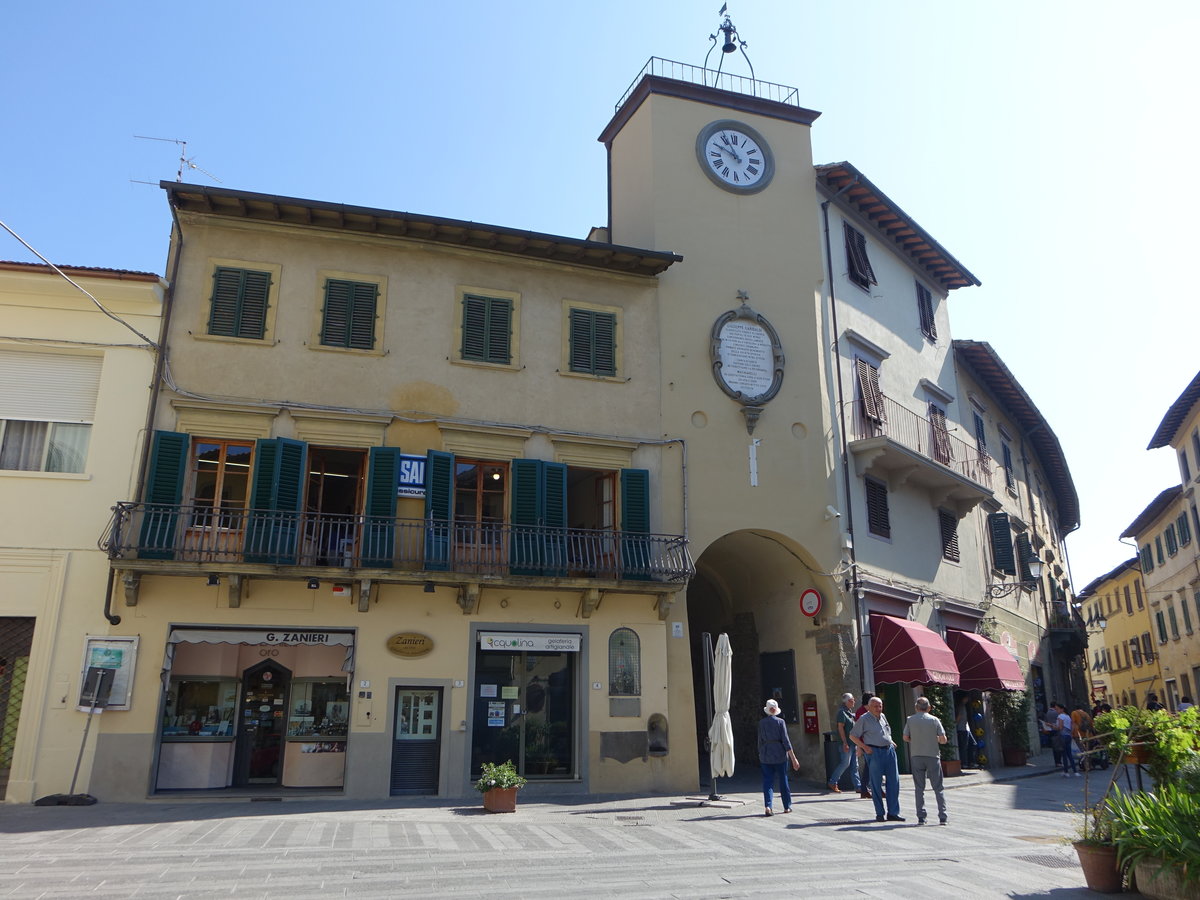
239	303
164	493
593	342
1003	558
276	495
1185	530
525	516
379	526
554	518
635	521
349	316
499	331
439	506
487	329
948	525
474	328
1024	555
878	519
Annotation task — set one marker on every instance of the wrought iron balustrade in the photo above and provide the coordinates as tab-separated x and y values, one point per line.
202	533
735	84
889	419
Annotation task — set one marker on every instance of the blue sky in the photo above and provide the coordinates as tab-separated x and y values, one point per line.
1048	146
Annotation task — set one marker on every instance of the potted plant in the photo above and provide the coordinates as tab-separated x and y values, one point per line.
1094	844
1158	835
942	698
1010	713
499	782
1152	737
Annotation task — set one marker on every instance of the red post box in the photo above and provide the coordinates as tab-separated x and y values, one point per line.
810	717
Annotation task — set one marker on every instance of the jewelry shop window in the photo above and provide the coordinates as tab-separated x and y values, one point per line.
319	708
200	708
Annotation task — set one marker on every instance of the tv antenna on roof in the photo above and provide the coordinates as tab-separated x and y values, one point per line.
184	162
733	41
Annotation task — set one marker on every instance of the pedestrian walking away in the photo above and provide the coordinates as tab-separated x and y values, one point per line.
1062	729
774	754
846	750
924	733
873	735
962	728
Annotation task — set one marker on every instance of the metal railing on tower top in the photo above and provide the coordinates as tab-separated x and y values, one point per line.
737	84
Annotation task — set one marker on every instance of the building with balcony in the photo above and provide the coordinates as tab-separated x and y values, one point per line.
74	370
404	511
1123	661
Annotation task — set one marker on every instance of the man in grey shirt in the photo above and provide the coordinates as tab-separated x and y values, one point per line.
923	733
873	736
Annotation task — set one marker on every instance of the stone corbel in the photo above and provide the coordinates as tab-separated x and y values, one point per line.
366	587
663	603
589	602
751	413
468	597
131	581
865	459
239	590
899	477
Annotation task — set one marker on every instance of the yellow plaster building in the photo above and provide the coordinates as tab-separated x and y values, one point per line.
1123	660
73	394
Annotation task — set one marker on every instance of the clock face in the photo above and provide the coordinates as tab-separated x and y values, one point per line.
735	157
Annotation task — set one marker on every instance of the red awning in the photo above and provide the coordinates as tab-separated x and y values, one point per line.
984	664
908	651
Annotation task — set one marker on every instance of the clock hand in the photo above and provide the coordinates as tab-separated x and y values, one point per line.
729	148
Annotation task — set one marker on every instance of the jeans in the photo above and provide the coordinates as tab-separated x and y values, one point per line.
965	744
931	767
845	757
770	771
1066	744
884	765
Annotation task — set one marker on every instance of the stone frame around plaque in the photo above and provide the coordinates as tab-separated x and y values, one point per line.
739	390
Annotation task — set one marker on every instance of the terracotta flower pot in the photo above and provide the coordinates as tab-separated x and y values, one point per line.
951	767
1139	755
500	800
1014	757
1099	864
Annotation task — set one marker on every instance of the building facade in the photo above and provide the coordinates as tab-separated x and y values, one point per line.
73	393
1123	660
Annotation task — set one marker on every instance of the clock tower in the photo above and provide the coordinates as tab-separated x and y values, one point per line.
719	169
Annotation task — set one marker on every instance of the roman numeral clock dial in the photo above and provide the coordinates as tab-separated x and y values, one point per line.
735	157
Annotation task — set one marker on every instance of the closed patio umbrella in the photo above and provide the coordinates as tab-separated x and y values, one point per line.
720	733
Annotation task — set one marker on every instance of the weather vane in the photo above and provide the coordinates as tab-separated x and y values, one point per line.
733	41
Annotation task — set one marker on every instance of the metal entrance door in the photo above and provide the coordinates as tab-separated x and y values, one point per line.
259	754
416	740
525	711
16	639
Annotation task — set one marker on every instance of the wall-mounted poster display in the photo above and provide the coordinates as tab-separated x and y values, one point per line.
115	654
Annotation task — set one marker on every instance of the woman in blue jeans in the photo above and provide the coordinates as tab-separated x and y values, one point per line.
774	753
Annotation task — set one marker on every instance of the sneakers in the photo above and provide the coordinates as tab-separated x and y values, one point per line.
942	820
1077	775
921	821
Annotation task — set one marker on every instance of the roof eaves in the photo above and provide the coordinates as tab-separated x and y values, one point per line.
1169	426
1152	511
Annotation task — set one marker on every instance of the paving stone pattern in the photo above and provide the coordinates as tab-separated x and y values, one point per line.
1004	840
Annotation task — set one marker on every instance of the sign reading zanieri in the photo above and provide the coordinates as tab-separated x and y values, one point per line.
747	358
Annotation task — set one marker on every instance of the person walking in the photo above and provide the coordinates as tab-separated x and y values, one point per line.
923	733
774	753
1152	701
846	750
873	735
962	729
1062	735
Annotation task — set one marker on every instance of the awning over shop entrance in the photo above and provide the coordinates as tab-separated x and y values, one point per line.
984	665
909	652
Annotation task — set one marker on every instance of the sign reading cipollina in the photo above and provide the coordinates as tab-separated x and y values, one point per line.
410	644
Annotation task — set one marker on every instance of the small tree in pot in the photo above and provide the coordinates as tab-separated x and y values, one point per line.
1010	713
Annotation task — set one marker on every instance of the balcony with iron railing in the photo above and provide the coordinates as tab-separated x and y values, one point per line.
904	446
195	539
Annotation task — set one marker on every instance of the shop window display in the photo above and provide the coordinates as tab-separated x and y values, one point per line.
200	708
319	708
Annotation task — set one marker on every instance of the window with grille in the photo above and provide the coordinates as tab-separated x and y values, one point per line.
878	521
868	391
624	663
239	303
948	527
348	318
593	341
925	311
487	329
858	264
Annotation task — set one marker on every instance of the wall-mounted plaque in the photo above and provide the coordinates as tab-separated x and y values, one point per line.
747	358
410	644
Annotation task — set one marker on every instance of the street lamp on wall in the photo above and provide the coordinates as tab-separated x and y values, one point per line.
1003	589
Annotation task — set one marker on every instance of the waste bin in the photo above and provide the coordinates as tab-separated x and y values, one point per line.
833	756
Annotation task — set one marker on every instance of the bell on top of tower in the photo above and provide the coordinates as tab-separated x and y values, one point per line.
733	41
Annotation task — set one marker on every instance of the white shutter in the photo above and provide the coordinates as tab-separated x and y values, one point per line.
48	387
